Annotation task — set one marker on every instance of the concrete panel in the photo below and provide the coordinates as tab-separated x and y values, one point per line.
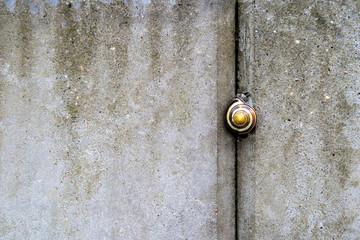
109	119
299	173
225	141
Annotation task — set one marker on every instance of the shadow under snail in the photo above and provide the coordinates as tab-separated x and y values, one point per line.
240	117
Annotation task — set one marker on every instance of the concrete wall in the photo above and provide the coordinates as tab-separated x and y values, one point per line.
299	173
110	113
111	120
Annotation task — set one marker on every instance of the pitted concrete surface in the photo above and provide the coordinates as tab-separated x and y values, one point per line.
299	173
109	119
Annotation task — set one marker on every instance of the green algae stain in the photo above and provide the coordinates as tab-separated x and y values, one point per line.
23	42
76	43
155	25
117	29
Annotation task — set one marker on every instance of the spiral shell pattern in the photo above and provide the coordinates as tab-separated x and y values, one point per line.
240	117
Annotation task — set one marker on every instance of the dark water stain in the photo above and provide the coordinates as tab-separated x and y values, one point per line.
339	161
6	18
76	43
324	25
320	20
336	147
15	50
155	25
184	18
24	38
116	24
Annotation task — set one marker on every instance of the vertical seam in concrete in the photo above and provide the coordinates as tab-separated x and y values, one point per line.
225	140
245	162
245	48
236	48
236	190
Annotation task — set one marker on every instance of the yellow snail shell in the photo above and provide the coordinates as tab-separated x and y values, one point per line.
240	117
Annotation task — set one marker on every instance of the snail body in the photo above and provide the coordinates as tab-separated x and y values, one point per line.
240	117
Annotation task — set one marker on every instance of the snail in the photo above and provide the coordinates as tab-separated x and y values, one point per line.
240	117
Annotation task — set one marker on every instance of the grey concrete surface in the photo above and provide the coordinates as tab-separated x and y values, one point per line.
299	173
225	141
110	126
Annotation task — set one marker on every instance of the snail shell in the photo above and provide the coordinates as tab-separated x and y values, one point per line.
240	117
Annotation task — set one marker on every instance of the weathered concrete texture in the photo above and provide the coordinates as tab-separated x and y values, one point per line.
109	119
225	141
299	173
